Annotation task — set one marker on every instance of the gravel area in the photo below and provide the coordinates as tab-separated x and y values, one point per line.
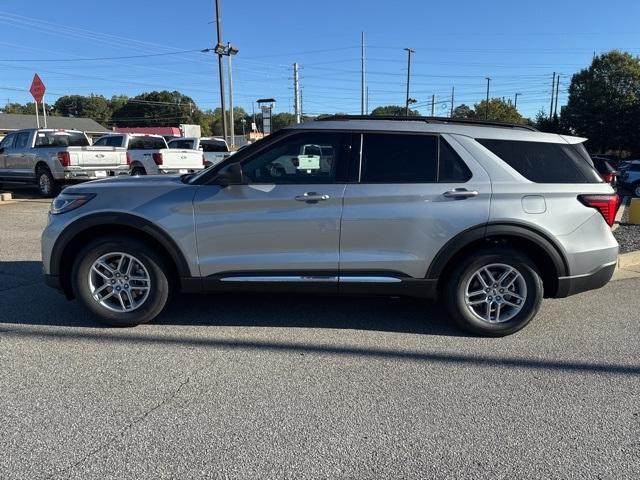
627	235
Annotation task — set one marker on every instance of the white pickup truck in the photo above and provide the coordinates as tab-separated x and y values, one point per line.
215	149
53	157
149	154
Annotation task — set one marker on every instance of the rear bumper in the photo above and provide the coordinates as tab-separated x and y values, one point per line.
80	174
581	283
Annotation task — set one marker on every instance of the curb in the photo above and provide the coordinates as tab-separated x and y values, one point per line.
630	259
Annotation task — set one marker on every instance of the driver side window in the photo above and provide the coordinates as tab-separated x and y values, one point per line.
301	158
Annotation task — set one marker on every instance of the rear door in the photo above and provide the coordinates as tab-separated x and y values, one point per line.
414	193
284	225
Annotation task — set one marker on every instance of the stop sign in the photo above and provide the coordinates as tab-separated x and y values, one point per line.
37	88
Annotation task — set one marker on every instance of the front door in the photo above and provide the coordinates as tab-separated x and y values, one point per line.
284	224
18	158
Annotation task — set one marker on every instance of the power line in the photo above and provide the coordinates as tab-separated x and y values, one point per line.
96	58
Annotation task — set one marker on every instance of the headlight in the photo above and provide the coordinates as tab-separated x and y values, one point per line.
65	202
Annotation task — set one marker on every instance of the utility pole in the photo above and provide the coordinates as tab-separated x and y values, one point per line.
433	105
555	107
515	102
221	70
453	91
362	80
296	93
366	104
553	89
231	120
409	52
486	108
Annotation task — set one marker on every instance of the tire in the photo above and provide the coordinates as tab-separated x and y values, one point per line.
138	171
496	312
636	189
131	304
47	185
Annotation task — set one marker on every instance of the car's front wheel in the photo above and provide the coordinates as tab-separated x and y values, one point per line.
120	280
494	292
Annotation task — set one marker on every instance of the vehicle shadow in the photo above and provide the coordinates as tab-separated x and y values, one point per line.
25	192
25	300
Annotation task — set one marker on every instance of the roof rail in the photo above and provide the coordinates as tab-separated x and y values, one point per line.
438	120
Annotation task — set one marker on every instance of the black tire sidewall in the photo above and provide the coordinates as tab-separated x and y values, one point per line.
158	294
138	171
461	275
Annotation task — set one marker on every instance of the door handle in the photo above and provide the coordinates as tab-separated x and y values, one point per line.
312	197
460	193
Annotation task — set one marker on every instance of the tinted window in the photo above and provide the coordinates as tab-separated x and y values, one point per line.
544	162
302	158
7	142
101	142
183	144
22	140
214	146
451	167
61	139
390	158
147	143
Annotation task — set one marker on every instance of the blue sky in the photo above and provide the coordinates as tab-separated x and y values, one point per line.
457	43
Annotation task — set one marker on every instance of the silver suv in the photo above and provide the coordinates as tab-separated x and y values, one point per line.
490	218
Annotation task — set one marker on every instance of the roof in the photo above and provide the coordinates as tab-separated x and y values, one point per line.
474	129
150	130
17	121
439	120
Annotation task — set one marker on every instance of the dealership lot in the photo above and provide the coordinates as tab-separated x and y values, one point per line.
306	387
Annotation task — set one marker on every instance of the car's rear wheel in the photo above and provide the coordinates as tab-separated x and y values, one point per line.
120	280
636	189
494	292
47	185
137	171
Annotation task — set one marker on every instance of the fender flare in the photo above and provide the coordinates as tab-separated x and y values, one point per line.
526	232
72	230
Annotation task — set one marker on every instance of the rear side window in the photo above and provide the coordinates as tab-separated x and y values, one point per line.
544	162
398	158
390	158
147	143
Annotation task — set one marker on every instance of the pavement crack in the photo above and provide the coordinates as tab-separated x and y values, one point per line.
136	421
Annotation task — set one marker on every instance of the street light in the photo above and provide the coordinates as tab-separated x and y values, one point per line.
229	51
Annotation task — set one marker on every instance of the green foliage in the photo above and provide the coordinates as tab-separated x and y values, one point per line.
94	106
157	109
604	103
393	110
463	111
498	111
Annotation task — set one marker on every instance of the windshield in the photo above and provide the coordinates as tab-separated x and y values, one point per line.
61	139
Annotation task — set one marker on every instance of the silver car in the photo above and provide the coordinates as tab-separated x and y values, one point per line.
489	218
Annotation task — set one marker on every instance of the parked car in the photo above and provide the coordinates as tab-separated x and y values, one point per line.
489	218
150	155
215	149
606	171
630	178
51	158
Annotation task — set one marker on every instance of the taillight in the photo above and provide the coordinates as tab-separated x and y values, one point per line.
64	158
128	158
157	158
607	205
608	177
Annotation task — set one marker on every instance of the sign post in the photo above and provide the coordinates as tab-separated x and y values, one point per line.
37	91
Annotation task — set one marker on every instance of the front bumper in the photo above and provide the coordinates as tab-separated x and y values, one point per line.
581	283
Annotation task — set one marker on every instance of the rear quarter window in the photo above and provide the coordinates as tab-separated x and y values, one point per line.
542	162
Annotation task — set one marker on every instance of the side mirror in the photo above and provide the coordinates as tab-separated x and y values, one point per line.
230	175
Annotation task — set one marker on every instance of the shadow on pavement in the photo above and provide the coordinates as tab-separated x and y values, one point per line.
25	300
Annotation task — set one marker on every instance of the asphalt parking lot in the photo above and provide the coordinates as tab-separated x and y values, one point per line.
309	387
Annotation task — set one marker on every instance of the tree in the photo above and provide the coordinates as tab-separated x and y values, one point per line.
157	109
94	106
462	111
393	110
499	111
604	103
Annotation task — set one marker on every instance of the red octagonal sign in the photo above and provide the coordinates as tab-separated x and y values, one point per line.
37	88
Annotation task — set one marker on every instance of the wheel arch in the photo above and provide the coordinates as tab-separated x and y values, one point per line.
78	233
545	253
